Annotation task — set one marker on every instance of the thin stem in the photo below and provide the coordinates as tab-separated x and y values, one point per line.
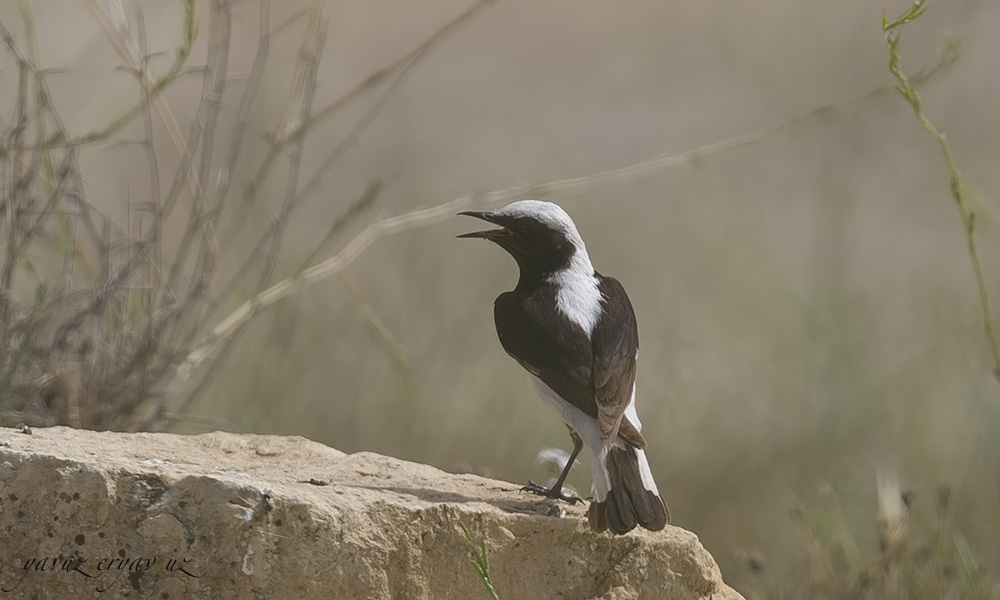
893	33
215	338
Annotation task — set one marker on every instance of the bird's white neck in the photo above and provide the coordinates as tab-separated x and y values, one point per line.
578	296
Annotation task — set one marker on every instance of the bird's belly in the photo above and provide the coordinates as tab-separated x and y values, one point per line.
581	422
586	427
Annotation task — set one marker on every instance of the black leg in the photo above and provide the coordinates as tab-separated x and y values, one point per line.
556	490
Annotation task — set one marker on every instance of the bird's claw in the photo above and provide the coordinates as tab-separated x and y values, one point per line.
552	492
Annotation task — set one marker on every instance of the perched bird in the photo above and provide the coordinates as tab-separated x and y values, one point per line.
574	330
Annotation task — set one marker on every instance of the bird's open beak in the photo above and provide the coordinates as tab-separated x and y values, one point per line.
490	234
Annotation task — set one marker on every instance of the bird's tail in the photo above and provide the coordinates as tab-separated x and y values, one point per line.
632	497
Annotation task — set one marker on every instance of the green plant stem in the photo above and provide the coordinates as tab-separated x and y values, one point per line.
480	561
893	33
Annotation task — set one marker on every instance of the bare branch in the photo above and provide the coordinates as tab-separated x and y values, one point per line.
564	187
373	80
190	33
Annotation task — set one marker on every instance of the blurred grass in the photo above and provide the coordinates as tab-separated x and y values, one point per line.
806	306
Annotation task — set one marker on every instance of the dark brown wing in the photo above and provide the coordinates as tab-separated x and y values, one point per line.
563	357
558	355
615	342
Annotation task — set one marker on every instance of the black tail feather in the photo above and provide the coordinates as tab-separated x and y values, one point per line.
628	503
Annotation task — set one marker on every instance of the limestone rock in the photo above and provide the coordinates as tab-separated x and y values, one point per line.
236	516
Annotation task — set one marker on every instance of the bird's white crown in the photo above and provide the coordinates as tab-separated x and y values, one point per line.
549	214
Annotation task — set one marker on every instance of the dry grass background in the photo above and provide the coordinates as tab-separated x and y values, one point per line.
807	309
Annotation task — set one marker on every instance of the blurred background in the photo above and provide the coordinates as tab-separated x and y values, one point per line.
807	308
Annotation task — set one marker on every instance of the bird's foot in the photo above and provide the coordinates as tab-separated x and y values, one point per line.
555	494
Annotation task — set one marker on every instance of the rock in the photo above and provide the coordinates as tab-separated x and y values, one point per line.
111	515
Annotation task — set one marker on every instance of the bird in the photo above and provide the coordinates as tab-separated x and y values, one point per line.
574	330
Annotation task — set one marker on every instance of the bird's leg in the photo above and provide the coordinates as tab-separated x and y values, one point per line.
556	490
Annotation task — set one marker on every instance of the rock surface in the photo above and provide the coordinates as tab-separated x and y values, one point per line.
236	516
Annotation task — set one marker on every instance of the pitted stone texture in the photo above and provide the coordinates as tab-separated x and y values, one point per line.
235	512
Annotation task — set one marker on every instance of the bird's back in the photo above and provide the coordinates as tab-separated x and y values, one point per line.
554	348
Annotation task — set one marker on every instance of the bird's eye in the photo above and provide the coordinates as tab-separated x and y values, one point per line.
525	225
